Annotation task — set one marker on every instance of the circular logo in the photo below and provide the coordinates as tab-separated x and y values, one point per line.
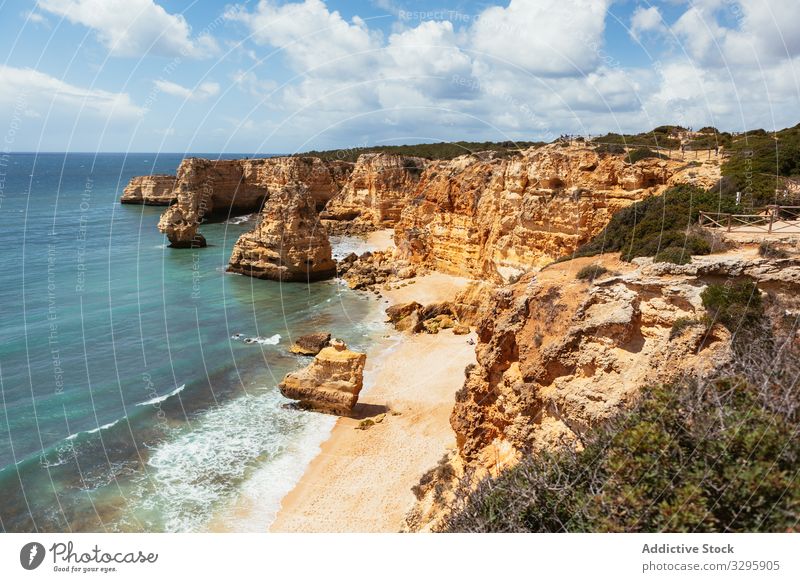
31	555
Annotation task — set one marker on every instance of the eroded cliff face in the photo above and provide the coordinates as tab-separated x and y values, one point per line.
557	355
500	218
153	190
289	243
377	190
218	188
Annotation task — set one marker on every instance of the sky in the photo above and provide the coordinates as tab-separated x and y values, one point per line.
275	76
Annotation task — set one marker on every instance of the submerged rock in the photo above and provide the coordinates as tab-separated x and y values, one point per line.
331	383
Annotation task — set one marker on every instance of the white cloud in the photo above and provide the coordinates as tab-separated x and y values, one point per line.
249	82
201	92
760	32
525	70
646	20
36	18
546	37
311	37
40	91
133	28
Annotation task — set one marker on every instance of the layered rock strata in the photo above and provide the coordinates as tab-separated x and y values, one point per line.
557	356
289	243
208	189
153	190
499	218
331	383
377	190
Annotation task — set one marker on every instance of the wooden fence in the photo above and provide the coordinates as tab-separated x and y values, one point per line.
773	219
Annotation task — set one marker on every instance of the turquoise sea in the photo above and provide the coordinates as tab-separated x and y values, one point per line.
125	403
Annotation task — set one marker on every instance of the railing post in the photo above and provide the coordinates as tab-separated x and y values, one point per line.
729	223
771	219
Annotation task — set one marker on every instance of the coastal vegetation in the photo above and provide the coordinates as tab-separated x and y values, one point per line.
715	454
661	225
759	162
431	151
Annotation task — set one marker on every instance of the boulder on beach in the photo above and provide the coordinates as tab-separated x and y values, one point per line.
331	383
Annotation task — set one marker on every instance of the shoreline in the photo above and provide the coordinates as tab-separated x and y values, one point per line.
360	480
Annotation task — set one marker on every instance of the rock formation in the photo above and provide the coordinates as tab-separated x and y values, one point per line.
181	228
498	218
557	356
372	269
331	383
377	190
289	243
214	189
310	344
153	190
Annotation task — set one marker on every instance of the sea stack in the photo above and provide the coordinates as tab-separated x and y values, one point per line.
331	383
289	243
181	228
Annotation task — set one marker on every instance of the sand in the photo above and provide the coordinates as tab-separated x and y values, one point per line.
361	480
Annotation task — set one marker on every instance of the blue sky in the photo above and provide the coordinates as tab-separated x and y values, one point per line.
271	76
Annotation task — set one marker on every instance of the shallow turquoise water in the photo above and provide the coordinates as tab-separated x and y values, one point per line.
124	402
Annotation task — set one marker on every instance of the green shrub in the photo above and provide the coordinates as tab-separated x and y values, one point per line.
591	272
610	149
433	151
659	222
687	458
756	157
734	305
674	255
643	154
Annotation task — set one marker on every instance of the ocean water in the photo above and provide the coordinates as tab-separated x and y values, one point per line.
125	402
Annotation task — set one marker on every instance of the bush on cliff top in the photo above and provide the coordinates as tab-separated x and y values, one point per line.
646	228
736	306
431	151
714	455
688	458
754	160
591	272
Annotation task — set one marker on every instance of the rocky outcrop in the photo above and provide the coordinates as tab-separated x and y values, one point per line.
213	189
153	190
289	243
499	218
181	228
310	344
374	268
331	383
557	356
377	190
556	359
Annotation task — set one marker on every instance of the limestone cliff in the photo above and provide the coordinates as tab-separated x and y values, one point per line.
289	243
498	218
153	190
207	189
377	190
557	355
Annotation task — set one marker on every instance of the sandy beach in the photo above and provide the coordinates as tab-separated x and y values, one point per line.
361	480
